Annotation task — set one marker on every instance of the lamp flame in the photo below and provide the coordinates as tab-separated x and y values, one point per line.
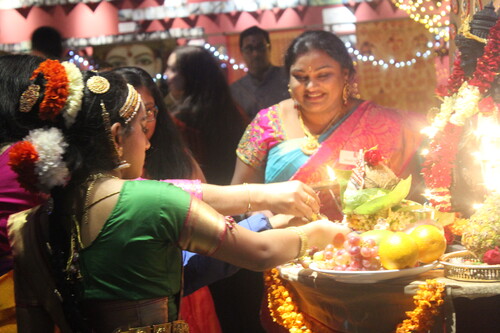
331	173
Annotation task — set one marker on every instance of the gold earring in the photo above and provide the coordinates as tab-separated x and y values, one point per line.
123	164
345	93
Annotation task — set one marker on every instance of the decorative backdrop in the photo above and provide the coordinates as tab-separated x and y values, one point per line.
407	87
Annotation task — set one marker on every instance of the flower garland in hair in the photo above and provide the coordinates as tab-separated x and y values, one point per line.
75	93
283	309
428	300
56	88
38	160
462	102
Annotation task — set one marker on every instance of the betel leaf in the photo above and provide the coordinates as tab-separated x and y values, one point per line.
392	198
354	199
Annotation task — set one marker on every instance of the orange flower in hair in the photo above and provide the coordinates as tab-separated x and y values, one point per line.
56	88
22	159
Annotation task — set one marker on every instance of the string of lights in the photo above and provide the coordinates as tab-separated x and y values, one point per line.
432	14
225	60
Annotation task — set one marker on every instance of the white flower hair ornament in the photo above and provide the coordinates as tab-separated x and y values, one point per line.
75	93
38	160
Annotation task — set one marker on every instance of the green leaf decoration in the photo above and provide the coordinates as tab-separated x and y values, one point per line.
354	199
392	198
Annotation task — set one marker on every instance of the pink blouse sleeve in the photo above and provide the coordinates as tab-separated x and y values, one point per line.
193	186
264	132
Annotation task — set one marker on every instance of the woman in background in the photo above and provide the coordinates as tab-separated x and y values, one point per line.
210	120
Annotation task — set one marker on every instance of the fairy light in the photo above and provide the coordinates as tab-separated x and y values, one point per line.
429	13
80	61
225	60
385	64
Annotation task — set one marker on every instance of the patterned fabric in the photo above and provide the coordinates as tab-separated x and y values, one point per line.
13	199
263	133
394	132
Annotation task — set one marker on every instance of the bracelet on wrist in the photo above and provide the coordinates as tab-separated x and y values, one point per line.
249	206
303	240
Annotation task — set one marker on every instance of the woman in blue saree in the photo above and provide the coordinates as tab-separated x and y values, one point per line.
322	126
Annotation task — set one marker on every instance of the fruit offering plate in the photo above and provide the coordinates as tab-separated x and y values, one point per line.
373	276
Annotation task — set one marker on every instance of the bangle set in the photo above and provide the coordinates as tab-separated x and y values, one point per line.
249	207
303	240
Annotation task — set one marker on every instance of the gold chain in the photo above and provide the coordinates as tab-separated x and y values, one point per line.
312	144
92	180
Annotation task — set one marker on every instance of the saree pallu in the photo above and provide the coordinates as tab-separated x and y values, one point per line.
395	133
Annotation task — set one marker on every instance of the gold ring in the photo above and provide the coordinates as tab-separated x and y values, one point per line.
307	200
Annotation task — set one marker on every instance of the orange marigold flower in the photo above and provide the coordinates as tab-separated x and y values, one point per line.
56	88
22	159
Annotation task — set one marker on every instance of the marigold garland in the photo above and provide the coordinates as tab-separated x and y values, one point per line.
437	167
462	102
281	305
428	301
56	88
22	159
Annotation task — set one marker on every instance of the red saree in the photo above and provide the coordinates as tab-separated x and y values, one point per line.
395	133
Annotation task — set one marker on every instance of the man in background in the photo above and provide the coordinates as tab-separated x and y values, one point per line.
47	42
265	84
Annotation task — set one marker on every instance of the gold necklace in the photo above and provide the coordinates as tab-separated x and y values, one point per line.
91	181
311	145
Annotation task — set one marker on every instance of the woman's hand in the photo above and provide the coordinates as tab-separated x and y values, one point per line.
281	221
292	197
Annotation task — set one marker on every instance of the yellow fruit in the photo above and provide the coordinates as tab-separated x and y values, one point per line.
430	241
376	235
398	251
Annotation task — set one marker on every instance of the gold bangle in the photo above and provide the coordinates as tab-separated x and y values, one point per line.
303	240
249	207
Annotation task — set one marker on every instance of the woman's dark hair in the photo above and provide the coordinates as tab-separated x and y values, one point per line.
209	109
319	40
168	157
15	73
90	150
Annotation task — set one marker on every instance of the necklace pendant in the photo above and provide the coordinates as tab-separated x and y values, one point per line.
310	147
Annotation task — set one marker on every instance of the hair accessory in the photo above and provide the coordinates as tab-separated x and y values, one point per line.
131	105
29	98
98	84
107	128
76	86
56	88
38	160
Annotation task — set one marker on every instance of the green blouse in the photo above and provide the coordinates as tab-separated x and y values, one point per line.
135	256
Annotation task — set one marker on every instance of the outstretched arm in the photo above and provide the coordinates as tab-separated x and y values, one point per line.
293	198
207	232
